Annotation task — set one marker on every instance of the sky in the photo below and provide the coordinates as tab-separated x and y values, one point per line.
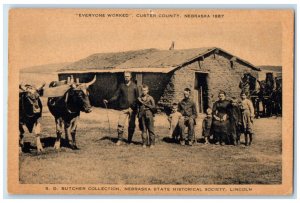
40	37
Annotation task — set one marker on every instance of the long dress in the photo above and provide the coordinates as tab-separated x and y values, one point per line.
221	128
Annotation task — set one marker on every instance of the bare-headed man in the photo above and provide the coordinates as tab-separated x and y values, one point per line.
126	94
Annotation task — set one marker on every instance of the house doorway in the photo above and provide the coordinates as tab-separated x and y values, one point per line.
201	92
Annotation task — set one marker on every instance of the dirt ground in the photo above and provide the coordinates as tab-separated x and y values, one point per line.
99	161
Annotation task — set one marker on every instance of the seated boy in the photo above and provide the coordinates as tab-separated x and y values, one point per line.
173	120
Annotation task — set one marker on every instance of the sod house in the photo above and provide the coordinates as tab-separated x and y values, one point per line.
167	72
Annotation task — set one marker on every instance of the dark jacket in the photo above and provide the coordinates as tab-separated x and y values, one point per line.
188	108
236	115
126	96
146	106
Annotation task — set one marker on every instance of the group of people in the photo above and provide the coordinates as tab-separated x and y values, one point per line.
224	122
227	120
132	105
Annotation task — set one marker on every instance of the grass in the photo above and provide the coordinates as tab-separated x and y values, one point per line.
99	161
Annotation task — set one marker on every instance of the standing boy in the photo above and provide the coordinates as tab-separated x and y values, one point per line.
247	118
146	108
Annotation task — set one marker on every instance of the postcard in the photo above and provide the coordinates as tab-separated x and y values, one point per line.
150	101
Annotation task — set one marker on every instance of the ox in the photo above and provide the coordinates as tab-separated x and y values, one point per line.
266	96
66	109
30	112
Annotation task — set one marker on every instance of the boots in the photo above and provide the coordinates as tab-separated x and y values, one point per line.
238	138
246	139
251	137
130	135
248	142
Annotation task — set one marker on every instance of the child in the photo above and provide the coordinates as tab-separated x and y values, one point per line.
235	121
146	108
206	125
173	120
247	118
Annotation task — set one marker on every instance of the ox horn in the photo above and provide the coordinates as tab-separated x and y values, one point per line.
90	83
41	87
22	87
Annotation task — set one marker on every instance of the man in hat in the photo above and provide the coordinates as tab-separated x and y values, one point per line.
187	108
126	94
245	85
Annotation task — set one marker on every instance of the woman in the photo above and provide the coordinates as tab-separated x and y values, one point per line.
221	123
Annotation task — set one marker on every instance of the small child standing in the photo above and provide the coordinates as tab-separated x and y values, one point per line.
206	125
146	108
173	120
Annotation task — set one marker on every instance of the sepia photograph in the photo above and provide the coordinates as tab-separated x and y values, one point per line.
150	101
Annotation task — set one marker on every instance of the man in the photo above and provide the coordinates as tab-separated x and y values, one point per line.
126	94
189	114
245	85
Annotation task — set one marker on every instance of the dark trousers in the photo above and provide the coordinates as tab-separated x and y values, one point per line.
235	133
146	123
190	123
